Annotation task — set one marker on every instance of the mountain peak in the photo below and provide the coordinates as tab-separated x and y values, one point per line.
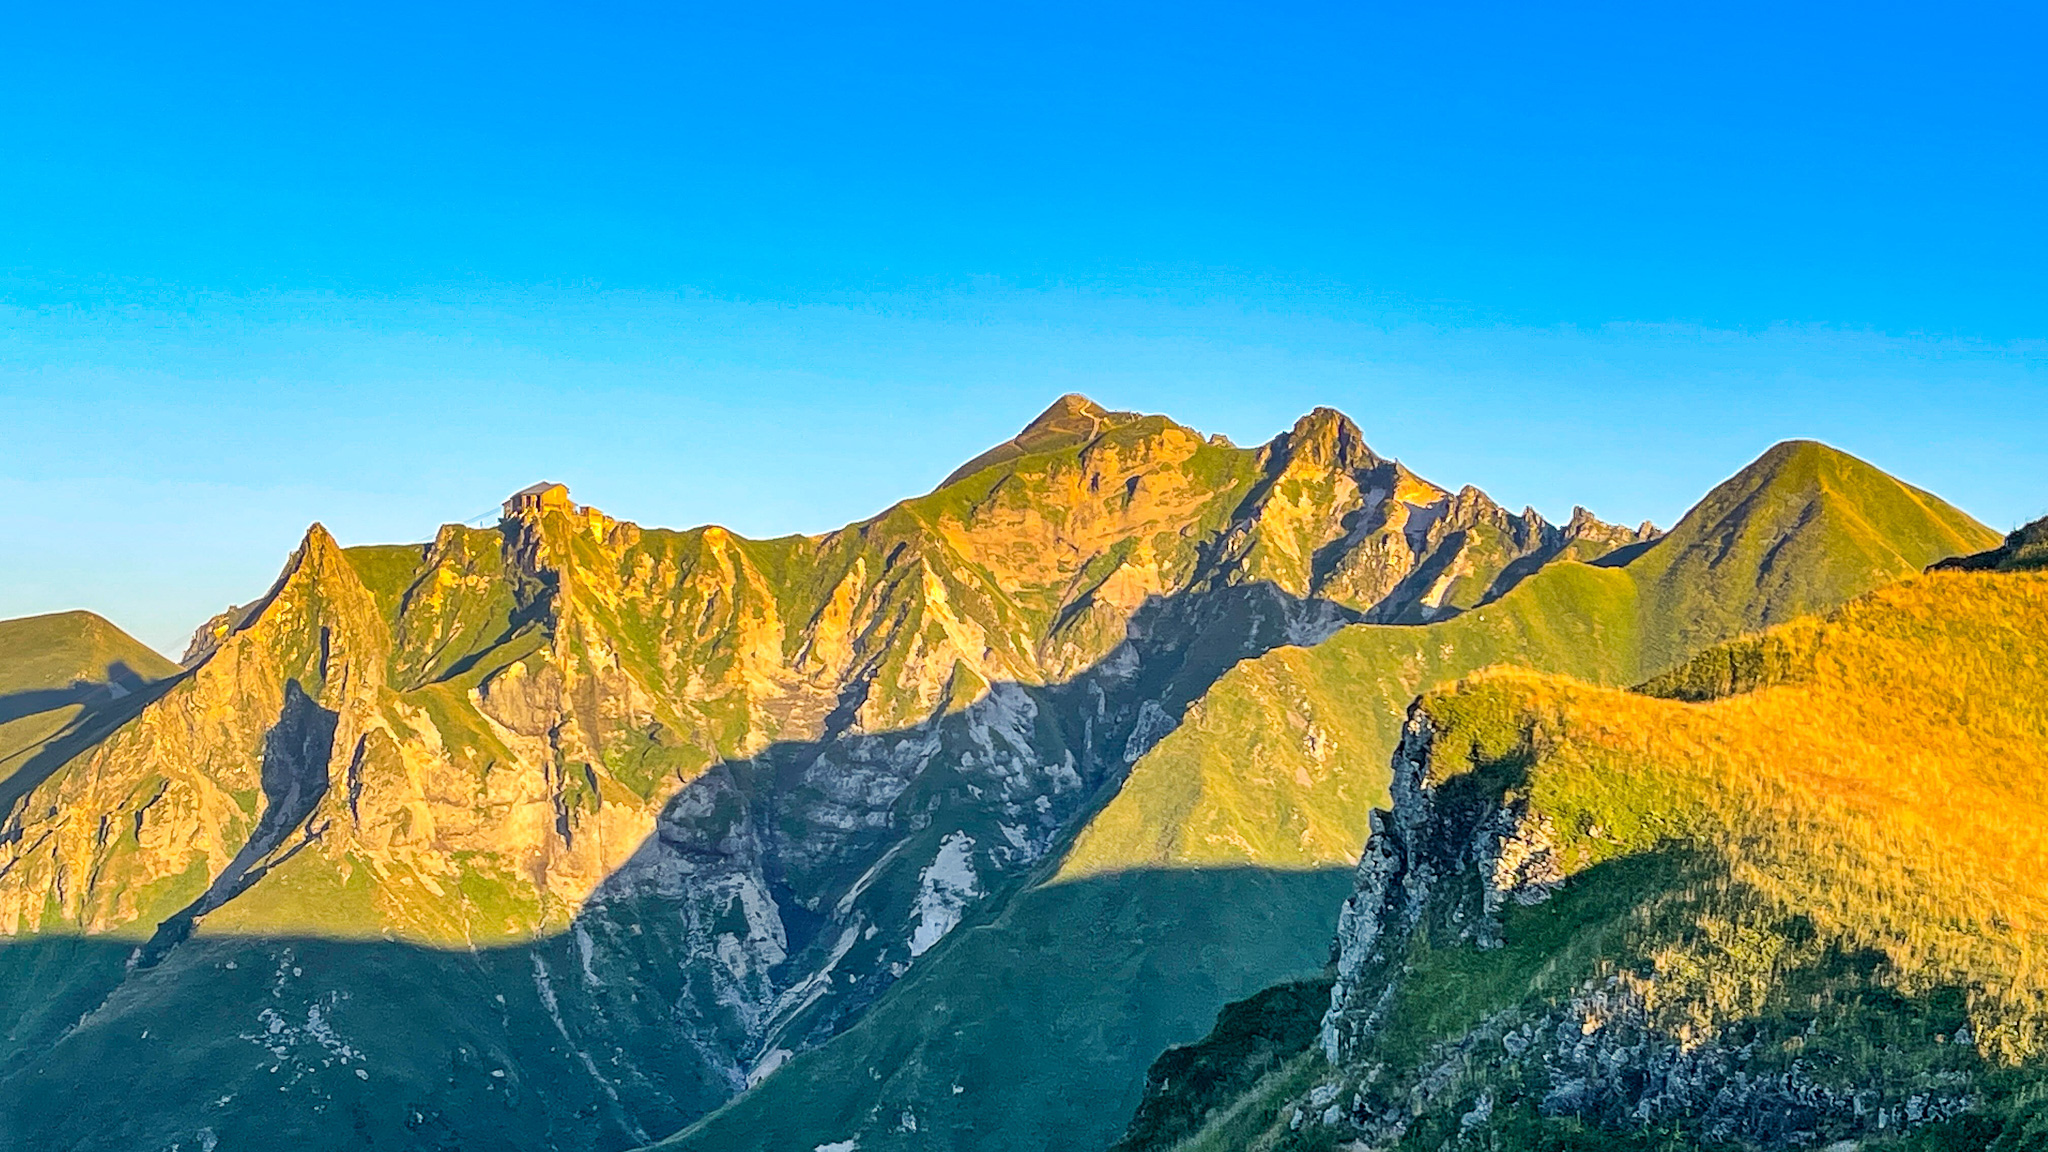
1329	438
1072	412
317	556
1802	527
1071	419
319	538
318	553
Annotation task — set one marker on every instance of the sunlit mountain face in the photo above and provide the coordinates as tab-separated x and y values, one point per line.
939	829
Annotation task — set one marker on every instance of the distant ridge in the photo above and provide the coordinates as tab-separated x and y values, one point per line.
61	649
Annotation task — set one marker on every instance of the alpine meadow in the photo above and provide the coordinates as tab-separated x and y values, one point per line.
1130	790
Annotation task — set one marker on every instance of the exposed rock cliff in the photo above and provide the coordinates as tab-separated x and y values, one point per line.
1218	865
721	793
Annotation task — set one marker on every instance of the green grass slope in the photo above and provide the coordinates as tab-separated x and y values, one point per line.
1795	905
1273	763
40	653
1802	529
1280	763
1069	987
63	673
2024	548
1272	775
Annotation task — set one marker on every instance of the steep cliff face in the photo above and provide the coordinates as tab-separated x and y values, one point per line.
143	821
663	808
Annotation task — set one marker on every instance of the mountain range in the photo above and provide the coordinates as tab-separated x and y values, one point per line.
941	829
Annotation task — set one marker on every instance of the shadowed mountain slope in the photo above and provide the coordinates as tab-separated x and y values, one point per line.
599	824
1230	830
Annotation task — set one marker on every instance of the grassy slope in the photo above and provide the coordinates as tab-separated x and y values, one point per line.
1802	529
1893	789
1272	767
1274	773
303	1043
64	648
56	668
1086	975
1280	763
1841	863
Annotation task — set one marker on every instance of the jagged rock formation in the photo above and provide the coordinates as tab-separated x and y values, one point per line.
1331	518
1243	824
680	803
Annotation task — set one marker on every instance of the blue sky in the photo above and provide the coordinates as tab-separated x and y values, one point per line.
776	266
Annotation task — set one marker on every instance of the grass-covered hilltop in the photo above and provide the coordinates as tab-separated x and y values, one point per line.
940	830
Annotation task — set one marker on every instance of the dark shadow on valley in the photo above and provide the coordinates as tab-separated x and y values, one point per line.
120	681
465	1050
602	1035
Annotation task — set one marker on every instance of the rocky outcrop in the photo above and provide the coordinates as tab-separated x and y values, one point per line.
1621	1050
1332	519
1411	867
294	778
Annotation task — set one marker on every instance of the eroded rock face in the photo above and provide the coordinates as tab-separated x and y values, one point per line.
715	795
1410	848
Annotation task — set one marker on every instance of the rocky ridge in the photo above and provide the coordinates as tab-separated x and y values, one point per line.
722	793
2025	547
1445	861
1244	823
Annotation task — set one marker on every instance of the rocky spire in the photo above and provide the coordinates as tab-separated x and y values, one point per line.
1328	438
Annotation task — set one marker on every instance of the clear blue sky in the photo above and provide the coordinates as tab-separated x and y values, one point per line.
776	266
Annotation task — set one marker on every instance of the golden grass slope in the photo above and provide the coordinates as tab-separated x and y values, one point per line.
1891	787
